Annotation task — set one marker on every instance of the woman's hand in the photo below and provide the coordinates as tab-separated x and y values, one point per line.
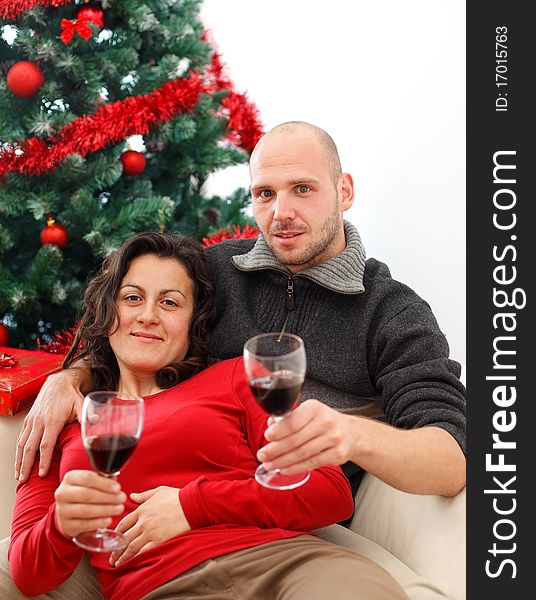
158	518
86	501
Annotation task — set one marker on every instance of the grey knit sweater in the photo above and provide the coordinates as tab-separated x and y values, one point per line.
372	343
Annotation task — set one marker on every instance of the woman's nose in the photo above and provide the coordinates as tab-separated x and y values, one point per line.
148	313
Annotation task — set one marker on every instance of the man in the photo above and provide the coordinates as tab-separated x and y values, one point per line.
371	342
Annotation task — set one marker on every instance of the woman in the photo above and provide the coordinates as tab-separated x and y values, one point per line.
199	525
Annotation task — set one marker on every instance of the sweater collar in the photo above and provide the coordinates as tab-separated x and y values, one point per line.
342	274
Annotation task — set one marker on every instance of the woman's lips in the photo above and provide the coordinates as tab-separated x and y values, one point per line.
149	337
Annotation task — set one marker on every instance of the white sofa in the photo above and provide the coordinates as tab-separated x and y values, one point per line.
420	540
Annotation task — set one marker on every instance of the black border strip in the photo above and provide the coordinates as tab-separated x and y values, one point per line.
501	370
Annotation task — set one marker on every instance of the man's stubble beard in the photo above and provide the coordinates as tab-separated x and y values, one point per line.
316	251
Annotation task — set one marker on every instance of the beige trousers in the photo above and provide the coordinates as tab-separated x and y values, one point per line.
81	585
301	568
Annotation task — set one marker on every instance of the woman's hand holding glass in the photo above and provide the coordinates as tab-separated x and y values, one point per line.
111	428
86	501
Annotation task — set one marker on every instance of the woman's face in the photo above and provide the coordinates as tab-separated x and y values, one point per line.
155	305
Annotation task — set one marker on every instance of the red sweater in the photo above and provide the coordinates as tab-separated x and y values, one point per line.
201	436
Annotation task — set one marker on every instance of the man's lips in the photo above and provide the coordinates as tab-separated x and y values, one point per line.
287	234
287	238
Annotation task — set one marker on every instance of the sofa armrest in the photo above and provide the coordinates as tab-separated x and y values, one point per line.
426	533
10	427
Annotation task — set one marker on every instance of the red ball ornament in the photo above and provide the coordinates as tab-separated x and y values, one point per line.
25	79
4	335
133	162
54	234
91	11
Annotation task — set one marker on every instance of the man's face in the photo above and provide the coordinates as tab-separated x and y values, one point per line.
296	202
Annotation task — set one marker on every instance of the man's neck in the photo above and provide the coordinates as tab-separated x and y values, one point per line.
343	273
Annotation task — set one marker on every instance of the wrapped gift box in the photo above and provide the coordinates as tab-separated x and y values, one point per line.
19	385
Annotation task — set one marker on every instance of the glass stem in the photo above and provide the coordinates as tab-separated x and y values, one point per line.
102	530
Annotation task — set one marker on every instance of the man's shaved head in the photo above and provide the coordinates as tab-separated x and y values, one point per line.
299	194
308	129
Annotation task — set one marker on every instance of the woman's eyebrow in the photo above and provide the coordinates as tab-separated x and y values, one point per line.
162	292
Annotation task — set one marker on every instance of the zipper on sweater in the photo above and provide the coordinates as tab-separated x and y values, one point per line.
290	304
290	293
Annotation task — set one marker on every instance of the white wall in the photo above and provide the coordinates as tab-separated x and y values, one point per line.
386	79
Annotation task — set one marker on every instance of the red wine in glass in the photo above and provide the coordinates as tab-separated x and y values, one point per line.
275	368
108	453
111	429
277	392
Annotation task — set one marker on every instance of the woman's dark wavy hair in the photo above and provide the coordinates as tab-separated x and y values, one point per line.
99	309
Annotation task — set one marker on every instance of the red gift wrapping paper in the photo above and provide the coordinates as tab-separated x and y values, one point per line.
19	385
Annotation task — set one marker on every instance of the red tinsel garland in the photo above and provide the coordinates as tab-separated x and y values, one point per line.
10	9
216	71
60	343
226	234
244	127
111	123
114	122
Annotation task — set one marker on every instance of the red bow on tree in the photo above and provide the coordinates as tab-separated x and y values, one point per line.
80	26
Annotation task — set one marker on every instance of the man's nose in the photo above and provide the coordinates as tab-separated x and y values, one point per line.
283	208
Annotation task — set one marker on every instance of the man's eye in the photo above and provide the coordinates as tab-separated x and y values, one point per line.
303	189
265	194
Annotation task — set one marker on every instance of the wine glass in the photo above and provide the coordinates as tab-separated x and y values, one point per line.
275	369
111	428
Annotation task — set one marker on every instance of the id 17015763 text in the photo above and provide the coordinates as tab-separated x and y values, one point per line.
501	68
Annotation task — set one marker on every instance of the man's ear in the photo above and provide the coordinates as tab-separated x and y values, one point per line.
346	191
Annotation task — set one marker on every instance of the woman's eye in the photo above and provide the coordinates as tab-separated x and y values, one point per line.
132	298
169	302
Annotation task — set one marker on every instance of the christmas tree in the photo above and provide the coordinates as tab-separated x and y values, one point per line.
80	85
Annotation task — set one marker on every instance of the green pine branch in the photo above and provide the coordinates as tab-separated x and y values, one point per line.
44	270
